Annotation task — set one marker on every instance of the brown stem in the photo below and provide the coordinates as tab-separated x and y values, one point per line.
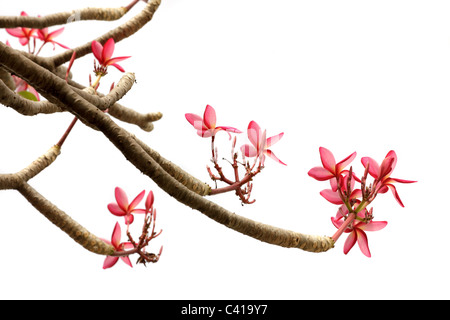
66	134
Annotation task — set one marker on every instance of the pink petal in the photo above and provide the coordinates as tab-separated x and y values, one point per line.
320	173
127	260
97	50
129	218
116	210
262	145
337	222
350	242
121	199
136	201
108	49
117	66
149	201
363	242
116	236
272	140
206	133
110	262
386	167
272	155
333	183
249	151
356	194
42	34
327	159
393	155
373	166
394	192
373	225
24	40
342	164
391	180
61	45
15	32
113	61
331	196
229	129
194	120
254	134
383	189
55	33
209	117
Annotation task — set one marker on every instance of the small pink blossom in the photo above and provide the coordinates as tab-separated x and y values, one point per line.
48	37
104	54
24	34
260	145
382	174
330	168
123	208
206	126
357	230
118	246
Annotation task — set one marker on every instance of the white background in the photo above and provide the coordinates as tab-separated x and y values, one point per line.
359	76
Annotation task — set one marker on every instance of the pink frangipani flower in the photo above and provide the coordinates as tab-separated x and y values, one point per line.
118	246
260	145
24	34
123	208
48	37
206	126
382	174
104	54
357	230
330	168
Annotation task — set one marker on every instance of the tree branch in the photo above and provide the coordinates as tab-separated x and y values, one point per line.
121	32
102	14
18	181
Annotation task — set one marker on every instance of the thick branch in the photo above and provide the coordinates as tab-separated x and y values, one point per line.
121	32
58	217
118	111
7	79
104	14
24	106
186	179
18	181
13	181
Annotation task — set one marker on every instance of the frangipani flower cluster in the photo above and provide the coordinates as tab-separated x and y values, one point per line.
353	217
258	148
25	35
123	208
